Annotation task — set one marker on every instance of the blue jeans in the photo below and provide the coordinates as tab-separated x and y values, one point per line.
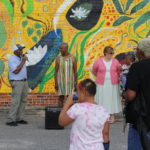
134	142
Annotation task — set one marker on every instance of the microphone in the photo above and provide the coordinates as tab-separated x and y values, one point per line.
25	55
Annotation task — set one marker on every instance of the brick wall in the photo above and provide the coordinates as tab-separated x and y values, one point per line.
35	100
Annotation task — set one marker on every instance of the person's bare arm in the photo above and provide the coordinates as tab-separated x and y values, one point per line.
56	73
130	95
75	72
19	67
64	119
106	132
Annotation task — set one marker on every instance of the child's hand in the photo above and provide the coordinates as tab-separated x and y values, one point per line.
69	100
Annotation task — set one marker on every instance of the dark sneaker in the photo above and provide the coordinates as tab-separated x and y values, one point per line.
22	122
12	123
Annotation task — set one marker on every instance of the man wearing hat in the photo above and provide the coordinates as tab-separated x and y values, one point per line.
138	89
18	81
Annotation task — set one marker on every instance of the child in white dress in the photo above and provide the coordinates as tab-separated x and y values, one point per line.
90	129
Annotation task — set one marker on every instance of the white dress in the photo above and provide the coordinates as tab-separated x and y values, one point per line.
108	95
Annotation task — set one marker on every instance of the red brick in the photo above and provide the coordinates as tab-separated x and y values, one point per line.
38	100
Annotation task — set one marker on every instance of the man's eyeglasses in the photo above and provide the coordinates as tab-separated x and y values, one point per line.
136	49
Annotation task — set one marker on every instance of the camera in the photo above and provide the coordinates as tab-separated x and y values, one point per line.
75	96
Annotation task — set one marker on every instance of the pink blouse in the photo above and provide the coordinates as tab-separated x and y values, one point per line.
99	70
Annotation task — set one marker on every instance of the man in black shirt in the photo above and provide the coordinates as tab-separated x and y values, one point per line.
138	79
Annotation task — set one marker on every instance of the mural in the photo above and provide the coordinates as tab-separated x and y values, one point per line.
86	25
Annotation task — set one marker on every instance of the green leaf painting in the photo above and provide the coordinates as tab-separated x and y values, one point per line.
24	23
38	32
139	6
29	8
35	40
121	20
38	26
3	34
9	8
128	4
30	31
118	6
143	19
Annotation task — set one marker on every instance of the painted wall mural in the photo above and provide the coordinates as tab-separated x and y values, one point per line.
86	25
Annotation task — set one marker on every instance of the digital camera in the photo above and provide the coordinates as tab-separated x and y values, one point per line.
75	96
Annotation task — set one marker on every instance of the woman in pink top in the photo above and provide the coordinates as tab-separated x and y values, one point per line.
107	71
90	121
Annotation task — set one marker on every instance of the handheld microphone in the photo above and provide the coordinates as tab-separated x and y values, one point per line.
25	55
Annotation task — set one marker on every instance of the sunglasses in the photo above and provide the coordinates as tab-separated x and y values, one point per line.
111	53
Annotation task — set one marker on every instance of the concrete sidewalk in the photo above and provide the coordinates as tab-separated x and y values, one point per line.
34	137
